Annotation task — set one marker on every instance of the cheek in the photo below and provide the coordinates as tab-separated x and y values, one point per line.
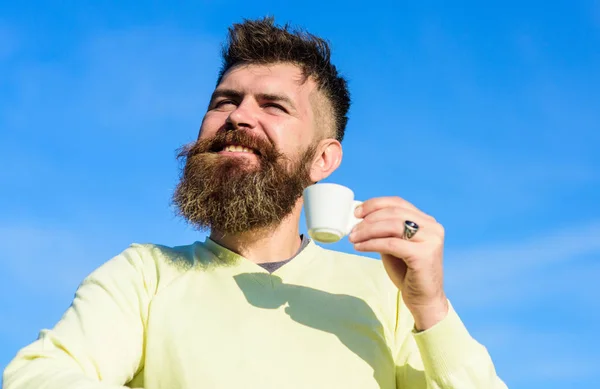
211	123
286	135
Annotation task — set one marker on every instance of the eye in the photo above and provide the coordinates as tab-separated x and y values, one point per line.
275	106
223	103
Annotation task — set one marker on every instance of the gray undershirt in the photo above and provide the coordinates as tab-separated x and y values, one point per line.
272	266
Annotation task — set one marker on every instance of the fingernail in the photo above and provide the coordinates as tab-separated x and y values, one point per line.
358	210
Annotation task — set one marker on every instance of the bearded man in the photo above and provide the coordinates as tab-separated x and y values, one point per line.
257	305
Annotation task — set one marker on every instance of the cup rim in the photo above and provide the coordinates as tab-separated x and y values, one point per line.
331	184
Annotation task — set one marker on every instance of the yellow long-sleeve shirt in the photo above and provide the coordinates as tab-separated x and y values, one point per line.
201	316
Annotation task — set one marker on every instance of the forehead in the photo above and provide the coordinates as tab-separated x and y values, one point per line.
281	78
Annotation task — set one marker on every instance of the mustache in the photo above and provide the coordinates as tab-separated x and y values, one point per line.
262	147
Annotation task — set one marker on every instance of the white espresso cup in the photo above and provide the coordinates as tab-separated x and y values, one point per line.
329	211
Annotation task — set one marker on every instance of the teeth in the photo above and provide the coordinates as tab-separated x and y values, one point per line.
238	149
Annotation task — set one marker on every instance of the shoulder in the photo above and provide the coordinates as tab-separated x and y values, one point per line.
180	257
154	265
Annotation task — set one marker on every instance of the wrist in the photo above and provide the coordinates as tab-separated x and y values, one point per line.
426	316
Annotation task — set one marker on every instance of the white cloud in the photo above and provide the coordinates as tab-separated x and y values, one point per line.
502	274
533	304
539	356
555	246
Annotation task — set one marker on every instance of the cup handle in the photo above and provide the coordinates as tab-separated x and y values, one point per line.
353	219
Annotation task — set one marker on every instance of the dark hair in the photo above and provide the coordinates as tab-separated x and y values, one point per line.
262	42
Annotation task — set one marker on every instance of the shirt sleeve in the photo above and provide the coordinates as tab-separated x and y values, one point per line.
99	341
443	357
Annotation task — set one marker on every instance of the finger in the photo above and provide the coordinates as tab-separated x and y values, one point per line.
416	216
391	228
425	222
374	204
396	247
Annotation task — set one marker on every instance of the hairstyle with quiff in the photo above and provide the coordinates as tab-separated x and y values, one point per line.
261	42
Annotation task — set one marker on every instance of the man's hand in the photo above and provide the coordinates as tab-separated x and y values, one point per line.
415	265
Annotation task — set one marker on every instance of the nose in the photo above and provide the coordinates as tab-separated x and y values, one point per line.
243	116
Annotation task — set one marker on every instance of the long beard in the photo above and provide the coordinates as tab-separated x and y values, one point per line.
231	195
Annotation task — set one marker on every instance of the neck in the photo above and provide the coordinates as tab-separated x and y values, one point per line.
270	244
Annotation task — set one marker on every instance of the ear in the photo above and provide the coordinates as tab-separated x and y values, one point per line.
328	157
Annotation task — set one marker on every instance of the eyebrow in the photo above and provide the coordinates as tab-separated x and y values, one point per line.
229	93
233	94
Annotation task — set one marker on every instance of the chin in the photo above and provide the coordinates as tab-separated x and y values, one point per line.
232	165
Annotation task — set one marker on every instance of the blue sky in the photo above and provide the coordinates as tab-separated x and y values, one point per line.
495	107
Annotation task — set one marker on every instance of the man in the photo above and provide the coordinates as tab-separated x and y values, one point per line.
257	305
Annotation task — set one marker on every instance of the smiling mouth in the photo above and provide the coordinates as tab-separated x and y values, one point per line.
239	149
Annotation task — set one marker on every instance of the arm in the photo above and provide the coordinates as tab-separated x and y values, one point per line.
444	356
99	342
